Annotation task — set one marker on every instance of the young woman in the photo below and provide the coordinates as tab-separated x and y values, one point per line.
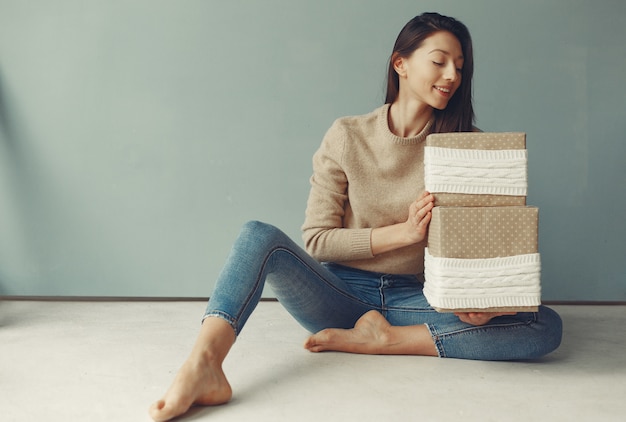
359	284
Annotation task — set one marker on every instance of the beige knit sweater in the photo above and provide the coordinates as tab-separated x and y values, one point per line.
364	177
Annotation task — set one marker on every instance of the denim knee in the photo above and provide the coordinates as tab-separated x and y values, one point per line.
261	232
553	324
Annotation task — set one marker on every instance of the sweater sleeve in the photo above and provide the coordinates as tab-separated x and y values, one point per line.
324	234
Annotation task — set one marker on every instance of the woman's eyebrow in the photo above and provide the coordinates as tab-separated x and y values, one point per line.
447	53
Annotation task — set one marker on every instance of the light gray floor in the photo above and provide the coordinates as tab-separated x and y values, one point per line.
107	361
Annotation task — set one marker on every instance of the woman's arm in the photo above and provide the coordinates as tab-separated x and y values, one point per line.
413	230
323	232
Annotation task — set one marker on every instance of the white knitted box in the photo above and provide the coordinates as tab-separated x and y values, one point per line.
476	168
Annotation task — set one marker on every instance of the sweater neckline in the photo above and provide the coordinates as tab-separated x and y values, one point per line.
420	137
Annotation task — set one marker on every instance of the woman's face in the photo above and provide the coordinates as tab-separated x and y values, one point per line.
432	73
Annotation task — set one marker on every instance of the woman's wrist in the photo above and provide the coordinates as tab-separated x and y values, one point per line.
389	238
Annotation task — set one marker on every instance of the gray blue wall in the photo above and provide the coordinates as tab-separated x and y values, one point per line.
137	136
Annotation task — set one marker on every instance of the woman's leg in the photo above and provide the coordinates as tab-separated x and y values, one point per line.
372	333
526	335
310	292
411	326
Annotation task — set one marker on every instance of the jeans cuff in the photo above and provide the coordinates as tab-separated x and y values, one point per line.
223	315
436	339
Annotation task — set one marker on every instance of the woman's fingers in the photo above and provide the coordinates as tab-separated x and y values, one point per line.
480	318
425	199
423	207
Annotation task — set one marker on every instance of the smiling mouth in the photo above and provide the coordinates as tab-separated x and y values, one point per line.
443	90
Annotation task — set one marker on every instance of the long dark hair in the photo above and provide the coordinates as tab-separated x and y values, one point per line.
458	116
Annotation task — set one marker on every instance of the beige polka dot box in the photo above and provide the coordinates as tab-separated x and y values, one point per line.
482	243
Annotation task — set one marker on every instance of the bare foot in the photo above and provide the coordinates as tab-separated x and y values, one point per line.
198	382
369	336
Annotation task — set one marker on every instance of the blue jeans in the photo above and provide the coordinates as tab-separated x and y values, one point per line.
327	295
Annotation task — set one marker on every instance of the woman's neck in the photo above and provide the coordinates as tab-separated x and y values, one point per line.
407	119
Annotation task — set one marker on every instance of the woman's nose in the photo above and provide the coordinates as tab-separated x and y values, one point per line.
451	73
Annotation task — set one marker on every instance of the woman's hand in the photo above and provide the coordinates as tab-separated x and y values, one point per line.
414	230
480	318
419	217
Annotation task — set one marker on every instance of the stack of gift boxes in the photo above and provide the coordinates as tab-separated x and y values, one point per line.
482	242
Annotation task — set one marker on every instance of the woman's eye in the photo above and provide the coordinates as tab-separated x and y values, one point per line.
437	63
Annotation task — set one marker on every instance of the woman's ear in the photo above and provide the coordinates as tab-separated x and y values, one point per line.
398	64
